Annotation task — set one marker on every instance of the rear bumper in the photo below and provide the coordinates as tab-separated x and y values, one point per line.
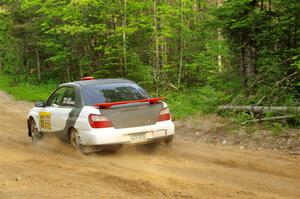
110	136
95	148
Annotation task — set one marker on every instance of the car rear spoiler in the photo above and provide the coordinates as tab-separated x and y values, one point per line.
110	104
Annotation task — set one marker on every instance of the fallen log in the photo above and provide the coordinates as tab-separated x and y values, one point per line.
269	119
260	109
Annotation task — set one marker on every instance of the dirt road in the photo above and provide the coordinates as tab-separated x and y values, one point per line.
182	170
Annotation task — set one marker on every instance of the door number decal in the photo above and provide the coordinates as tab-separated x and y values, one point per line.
45	120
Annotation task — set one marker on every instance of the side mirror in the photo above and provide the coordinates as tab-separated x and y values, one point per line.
40	104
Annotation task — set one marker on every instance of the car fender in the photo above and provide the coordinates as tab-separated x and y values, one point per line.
82	122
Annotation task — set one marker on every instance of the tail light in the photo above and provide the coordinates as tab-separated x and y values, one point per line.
99	121
164	115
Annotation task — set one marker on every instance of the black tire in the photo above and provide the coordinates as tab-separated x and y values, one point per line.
74	139
114	149
35	134
169	140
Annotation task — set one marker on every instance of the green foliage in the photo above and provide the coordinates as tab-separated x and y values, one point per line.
8	54
190	101
242	117
116	39
264	37
246	51
276	129
26	91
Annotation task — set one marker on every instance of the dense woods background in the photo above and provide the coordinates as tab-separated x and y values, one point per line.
238	51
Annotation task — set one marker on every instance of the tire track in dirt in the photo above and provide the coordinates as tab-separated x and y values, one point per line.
183	170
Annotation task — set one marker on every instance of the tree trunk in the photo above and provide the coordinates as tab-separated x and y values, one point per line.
220	38
80	71
20	55
1	65
247	64
156	38
165	53
250	52
261	4
284	117
124	24
295	33
38	64
243	68
68	73
260	109
181	45
17	4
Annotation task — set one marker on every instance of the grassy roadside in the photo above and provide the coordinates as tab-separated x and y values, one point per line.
182	103
25	91
190	101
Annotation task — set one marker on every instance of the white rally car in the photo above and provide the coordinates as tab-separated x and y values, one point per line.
97	114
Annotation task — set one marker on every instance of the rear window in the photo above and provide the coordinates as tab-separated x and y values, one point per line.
113	93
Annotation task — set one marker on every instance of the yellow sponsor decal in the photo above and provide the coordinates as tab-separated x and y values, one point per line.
45	120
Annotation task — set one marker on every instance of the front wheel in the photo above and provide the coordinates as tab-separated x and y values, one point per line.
35	134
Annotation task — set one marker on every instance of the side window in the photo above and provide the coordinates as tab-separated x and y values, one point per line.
57	97
69	97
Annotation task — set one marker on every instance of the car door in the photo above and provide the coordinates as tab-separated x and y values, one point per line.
46	117
62	108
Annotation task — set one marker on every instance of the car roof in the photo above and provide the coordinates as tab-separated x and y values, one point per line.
86	83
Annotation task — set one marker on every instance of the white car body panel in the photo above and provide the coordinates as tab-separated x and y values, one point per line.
102	136
34	113
82	121
59	117
123	136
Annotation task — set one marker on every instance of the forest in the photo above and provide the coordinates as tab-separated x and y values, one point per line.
197	53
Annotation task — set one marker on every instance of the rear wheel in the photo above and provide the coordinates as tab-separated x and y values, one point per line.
169	140
113	149
75	139
35	134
